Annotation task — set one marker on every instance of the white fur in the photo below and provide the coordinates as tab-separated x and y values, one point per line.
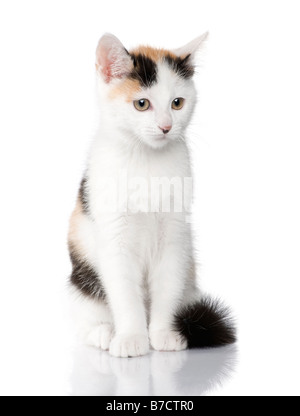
145	260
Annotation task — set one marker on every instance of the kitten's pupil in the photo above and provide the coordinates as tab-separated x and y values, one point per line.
177	102
142	103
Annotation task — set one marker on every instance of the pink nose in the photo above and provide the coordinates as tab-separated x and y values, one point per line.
165	129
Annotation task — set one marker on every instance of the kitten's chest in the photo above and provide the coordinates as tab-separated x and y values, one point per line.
148	165
141	182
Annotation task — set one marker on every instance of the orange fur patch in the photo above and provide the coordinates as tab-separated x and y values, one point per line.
129	88
153	53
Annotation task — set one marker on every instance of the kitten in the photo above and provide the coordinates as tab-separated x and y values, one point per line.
134	274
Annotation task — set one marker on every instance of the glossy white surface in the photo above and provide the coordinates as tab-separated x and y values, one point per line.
246	152
187	373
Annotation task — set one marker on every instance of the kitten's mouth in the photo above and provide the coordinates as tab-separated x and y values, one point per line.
163	137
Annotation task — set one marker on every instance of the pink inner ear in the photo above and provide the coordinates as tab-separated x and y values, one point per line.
105	63
112	59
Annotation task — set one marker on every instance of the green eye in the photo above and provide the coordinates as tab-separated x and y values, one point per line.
178	103
142	105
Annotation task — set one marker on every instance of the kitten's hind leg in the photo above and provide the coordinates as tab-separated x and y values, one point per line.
92	316
94	325
100	337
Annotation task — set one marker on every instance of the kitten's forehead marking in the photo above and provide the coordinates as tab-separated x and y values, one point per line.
146	63
147	58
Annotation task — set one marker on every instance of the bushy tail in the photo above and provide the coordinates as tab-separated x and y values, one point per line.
204	324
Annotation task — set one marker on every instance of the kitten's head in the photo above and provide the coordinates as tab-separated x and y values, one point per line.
149	93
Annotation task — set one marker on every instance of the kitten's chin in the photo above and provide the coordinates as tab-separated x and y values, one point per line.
158	143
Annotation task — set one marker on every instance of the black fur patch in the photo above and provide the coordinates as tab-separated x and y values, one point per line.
205	324
144	71
83	195
182	67
84	277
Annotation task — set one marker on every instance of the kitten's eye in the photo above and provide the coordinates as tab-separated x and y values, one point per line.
178	103
142	105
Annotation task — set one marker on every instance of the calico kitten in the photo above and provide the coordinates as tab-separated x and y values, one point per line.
134	274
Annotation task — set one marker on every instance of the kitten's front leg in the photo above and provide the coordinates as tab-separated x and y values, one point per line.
167	285
122	278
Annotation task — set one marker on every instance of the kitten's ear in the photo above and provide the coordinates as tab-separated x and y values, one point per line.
193	47
112	59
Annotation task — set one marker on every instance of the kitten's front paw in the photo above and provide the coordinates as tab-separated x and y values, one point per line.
129	346
167	341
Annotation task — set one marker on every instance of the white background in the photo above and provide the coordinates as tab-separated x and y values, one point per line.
246	149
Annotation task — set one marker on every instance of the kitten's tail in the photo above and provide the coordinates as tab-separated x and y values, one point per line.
207	323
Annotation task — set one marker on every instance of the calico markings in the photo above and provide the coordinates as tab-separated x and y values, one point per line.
145	70
83	196
181	66
84	277
146	60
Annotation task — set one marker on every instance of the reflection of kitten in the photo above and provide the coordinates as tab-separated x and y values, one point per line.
184	373
134	274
